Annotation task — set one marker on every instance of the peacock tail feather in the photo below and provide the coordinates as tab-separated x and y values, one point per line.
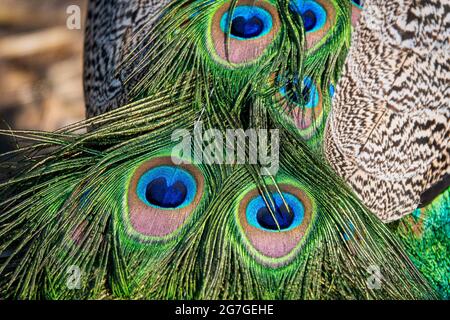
116	200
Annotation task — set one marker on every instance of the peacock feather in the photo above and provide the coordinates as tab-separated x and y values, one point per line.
117	200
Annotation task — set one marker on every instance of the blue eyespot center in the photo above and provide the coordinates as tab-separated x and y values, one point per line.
167	187
350	232
313	14
248	22
309	97
246	28
287	213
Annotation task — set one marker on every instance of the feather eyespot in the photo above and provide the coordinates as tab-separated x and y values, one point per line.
162	195
318	16
242	36
349	233
305	107
275	225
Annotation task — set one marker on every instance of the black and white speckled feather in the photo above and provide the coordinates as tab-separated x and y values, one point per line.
389	127
114	28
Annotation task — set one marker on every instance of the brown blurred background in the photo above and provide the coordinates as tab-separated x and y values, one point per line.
40	65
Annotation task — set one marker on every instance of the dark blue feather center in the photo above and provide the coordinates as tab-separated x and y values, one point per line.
287	213
283	215
160	193
247	27
309	20
314	16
